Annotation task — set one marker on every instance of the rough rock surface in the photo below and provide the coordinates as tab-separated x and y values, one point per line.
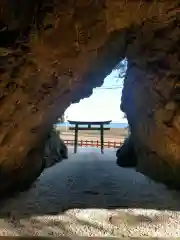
151	100
126	156
55	149
51	54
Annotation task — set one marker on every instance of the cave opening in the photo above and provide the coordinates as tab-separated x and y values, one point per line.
102	105
54	53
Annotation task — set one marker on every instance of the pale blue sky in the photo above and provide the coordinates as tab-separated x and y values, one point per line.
103	104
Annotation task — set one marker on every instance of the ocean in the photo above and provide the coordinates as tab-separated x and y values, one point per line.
111	125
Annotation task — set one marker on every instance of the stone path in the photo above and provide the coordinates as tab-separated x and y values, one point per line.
88	195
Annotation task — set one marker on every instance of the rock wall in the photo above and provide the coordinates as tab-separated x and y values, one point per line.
52	54
151	100
55	149
43	61
39	69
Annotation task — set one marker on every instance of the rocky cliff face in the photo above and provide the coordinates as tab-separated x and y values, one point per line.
152	85
52	54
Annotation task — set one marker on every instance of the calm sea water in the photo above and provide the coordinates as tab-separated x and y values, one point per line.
111	125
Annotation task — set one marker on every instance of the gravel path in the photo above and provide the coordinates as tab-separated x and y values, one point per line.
88	195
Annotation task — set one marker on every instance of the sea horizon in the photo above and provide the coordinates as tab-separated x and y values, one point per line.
113	124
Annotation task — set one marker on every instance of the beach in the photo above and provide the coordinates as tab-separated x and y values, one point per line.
114	134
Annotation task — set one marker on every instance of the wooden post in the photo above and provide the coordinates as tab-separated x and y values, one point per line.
102	138
76	138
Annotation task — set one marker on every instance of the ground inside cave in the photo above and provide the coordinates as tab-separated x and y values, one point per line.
89	195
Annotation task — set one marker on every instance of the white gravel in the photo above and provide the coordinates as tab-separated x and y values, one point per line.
88	195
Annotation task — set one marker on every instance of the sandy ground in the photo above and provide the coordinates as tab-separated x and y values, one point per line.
88	195
114	134
70	136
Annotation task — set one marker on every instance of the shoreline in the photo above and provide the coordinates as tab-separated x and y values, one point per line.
114	134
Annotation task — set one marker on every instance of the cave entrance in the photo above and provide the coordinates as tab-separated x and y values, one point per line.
102	105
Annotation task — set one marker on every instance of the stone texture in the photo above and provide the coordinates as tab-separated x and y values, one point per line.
150	103
72	238
52	54
55	149
126	156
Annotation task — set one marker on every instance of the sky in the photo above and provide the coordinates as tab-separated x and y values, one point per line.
103	104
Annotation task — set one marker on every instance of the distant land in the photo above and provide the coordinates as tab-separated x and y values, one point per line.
111	125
